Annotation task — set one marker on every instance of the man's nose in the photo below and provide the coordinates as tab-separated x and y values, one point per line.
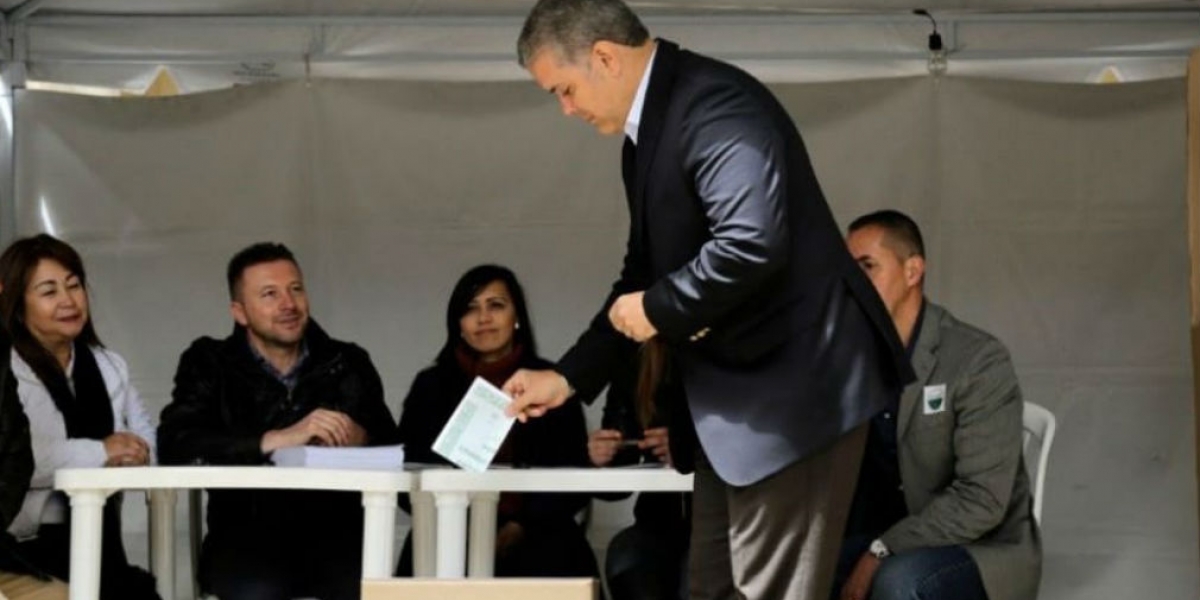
568	107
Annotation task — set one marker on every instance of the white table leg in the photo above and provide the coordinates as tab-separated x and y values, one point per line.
87	518
451	534
379	534
482	543
424	534
162	541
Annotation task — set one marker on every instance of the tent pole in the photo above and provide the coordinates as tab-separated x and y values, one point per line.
1193	200
25	10
12	77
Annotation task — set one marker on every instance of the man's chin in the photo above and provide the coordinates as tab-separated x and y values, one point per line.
282	339
609	129
291	336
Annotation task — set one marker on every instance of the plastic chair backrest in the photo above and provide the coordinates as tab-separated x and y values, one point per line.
1039	425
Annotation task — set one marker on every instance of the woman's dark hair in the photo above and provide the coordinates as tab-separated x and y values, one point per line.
17	265
653	369
465	290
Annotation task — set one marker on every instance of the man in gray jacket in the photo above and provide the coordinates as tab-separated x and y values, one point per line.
943	507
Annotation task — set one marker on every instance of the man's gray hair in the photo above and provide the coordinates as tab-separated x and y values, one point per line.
571	27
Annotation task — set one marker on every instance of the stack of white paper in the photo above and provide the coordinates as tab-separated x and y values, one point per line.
478	426
374	457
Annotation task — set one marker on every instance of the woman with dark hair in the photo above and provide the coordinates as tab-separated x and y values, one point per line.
489	335
82	409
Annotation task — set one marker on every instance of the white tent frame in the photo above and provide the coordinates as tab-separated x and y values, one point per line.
15	26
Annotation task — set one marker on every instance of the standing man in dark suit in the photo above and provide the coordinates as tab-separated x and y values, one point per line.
735	265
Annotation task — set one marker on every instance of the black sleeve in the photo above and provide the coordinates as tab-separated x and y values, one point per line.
192	429
419	425
370	409
16	451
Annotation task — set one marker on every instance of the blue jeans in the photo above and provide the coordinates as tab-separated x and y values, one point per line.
940	573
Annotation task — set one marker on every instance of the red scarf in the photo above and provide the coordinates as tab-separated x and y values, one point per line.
496	372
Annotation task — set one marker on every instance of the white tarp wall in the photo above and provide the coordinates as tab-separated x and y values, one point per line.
1054	215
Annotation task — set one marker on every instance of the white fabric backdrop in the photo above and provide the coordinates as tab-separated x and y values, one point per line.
1054	216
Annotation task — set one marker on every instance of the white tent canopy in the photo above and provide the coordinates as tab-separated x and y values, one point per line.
1055	213
206	45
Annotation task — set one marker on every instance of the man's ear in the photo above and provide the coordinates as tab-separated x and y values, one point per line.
914	270
239	312
607	57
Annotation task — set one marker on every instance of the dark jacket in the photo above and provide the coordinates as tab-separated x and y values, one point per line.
558	439
16	450
782	342
16	464
224	401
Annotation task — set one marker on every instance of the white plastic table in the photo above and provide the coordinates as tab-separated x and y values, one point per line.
88	489
453	490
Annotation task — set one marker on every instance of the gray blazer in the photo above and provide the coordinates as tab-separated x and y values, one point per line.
960	457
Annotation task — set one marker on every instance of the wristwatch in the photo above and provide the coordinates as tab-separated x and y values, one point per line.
879	550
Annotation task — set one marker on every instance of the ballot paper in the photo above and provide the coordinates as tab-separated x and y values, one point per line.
374	458
478	426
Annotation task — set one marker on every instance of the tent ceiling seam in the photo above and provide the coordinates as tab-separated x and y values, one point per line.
100	20
417	57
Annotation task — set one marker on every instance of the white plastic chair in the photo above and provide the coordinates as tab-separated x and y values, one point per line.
1039	425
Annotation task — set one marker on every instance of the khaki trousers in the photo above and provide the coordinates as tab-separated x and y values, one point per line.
777	539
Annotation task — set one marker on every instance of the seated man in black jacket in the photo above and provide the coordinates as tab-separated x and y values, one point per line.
277	381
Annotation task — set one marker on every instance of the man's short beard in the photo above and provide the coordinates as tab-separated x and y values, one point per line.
271	340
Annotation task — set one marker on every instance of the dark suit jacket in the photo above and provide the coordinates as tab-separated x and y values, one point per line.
781	342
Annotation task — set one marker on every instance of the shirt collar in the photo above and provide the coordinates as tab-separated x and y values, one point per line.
287	379
634	120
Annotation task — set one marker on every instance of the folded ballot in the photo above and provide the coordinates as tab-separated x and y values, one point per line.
478	426
385	458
